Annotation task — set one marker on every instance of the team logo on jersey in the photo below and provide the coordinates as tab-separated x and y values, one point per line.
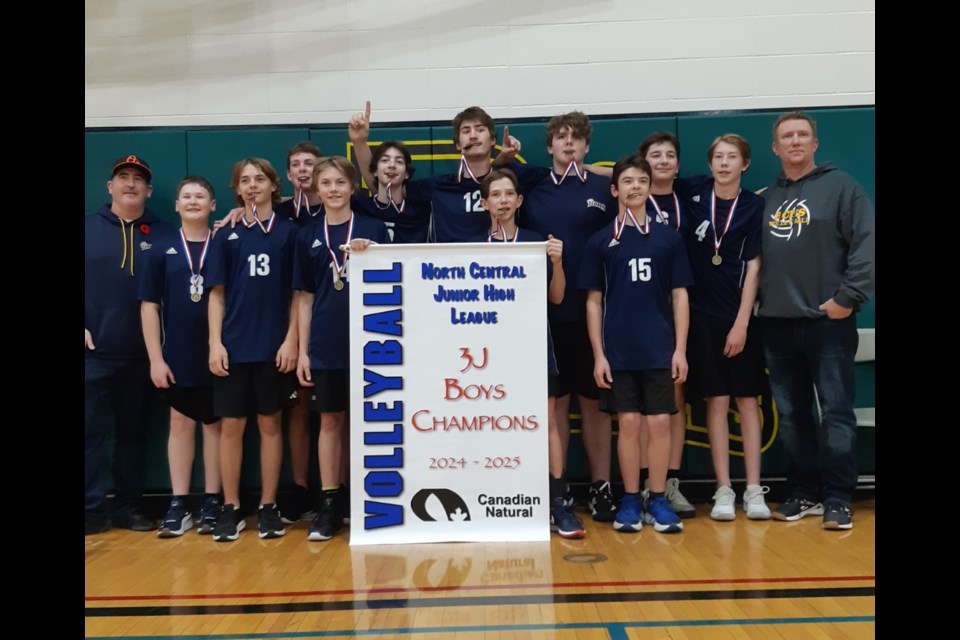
233	236
696	198
596	204
316	243
789	219
171	251
144	246
445	505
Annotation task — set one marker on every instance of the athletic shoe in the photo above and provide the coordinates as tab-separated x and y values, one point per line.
209	513
754	504
797	507
564	522
177	521
661	515
229	524
628	518
271	526
724	504
678	502
837	515
601	504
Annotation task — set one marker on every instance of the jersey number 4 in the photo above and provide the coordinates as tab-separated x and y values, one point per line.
701	230
259	264
640	269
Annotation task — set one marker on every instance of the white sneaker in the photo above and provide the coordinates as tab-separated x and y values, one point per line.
754	504
724	504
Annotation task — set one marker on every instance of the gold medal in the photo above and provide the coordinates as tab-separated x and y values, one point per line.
195	297
338	284
716	260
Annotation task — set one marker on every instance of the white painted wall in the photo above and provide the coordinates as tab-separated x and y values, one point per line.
230	62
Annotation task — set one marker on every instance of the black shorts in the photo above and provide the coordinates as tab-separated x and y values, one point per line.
649	392
330	390
194	402
571	345
553	386
712	373
252	387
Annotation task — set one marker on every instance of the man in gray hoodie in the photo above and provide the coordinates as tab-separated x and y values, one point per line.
818	270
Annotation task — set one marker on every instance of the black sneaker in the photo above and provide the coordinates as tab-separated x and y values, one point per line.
837	515
177	521
271	526
797	507
601	503
296	505
328	521
229	524
209	513
95	522
134	520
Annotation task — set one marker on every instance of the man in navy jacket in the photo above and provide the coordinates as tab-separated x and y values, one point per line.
117	238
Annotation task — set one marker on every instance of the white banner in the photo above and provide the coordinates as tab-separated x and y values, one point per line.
448	388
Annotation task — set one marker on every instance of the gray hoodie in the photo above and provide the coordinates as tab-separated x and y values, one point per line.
818	243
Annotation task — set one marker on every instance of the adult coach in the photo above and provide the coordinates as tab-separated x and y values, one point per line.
116	371
818	270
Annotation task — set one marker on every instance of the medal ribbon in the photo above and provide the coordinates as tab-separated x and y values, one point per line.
301	200
503	232
465	167
203	252
713	219
333	256
403	202
621	221
582	174
676	203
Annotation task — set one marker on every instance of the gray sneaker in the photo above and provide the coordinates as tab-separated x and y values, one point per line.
678	502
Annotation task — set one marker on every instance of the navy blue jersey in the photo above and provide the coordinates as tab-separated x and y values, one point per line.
528	235
406	224
572	211
114	256
638	275
166	281
313	273
304	216
256	270
457	213
719	287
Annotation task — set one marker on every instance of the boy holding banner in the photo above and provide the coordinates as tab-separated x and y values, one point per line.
322	277
500	197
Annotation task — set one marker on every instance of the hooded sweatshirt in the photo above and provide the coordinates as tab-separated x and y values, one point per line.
818	243
114	255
